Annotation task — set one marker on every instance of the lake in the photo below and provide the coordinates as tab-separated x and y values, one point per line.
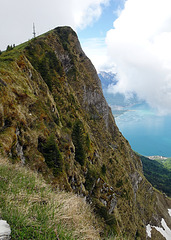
148	133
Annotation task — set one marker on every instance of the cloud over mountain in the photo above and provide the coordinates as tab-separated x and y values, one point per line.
139	45
18	16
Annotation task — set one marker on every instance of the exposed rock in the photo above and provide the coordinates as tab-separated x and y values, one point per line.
94	98
5	230
112	204
106	195
136	180
19	148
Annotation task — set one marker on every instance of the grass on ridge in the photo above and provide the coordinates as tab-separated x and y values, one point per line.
34	211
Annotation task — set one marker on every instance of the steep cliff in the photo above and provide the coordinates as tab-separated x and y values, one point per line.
55	119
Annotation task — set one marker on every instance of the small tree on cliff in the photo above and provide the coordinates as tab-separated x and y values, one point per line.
78	140
52	155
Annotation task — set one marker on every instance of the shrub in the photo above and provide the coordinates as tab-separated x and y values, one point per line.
9	48
103	169
87	142
52	155
119	183
78	140
91	177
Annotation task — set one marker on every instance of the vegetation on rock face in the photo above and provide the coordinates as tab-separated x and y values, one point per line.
53	113
52	155
45	61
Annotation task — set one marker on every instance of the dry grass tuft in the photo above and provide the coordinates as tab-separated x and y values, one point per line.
32	203
75	210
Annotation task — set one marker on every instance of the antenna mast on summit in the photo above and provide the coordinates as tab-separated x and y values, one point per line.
34	31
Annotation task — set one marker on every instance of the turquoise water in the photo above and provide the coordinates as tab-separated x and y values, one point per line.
148	133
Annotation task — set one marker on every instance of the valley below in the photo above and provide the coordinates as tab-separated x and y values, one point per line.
147	132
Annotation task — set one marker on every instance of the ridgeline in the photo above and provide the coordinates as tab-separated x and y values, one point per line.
55	120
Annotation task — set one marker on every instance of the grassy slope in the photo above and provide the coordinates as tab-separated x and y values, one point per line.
34	211
165	162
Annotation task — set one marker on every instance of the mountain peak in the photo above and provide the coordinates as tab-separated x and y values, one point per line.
53	113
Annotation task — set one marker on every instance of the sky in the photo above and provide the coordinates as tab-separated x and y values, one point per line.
129	37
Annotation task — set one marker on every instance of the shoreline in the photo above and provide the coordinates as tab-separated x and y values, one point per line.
157	157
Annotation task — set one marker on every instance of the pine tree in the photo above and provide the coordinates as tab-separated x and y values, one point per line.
52	155
78	140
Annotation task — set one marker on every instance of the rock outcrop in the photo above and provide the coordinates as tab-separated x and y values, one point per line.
5	230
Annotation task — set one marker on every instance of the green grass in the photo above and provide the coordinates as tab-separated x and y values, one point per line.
9	55
34	211
25	206
158	174
165	162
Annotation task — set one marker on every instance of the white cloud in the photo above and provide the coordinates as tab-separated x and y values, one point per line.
96	50
140	46
87	11
18	16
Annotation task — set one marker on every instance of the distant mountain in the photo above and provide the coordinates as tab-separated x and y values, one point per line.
118	102
107	78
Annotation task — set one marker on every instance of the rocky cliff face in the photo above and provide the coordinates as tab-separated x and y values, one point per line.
55	119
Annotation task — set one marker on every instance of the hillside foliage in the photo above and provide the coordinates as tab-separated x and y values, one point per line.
157	174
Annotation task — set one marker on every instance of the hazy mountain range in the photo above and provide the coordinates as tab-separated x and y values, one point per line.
118	102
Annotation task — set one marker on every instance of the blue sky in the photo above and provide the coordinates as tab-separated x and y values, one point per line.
92	37
104	23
